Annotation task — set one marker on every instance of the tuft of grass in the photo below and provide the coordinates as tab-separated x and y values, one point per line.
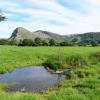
20	96
57	61
61	61
76	60
3	86
68	94
95	57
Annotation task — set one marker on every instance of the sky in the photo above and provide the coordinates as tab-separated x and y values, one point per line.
60	16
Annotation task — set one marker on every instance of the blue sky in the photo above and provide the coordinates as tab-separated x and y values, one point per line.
59	16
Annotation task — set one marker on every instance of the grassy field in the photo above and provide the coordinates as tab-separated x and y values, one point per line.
83	82
12	57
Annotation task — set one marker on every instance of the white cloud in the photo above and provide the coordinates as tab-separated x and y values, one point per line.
44	15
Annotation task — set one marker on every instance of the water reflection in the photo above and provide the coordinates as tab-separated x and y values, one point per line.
32	79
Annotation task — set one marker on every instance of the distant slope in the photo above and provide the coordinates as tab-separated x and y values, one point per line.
86	37
22	33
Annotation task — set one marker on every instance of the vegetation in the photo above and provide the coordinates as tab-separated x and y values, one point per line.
83	84
85	39
83	80
7	42
40	42
2	17
12	57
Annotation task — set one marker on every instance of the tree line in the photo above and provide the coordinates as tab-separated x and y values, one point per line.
36	42
40	42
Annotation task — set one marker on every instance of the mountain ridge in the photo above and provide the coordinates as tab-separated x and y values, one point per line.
21	33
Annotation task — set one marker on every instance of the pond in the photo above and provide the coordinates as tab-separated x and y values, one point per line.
30	79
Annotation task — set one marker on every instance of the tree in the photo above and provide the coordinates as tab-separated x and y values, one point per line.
45	43
74	40
2	17
65	44
27	42
52	42
3	41
12	42
38	41
82	43
93	43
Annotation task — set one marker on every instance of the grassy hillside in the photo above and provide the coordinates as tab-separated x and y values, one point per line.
86	37
83	83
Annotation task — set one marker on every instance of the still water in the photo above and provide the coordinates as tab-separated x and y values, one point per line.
30	79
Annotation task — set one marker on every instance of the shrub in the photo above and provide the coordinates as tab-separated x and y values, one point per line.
52	42
95	57
38	41
26	42
57	61
61	61
76	60
70	74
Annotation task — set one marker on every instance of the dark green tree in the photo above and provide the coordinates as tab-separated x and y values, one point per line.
27	42
38	41
2	17
63	44
93	43
52	42
45	43
66	44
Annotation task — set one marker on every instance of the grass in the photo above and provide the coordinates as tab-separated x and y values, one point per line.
83	82
12	57
20	96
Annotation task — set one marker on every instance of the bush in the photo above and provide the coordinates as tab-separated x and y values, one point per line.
61	61
95	57
52	42
26	42
38	41
76	61
55	62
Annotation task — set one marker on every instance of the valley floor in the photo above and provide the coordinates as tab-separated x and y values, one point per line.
83	83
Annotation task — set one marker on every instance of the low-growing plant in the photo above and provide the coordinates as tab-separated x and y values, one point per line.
56	61
95	57
70	74
61	61
3	86
76	60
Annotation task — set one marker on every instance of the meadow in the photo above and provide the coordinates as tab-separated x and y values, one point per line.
82	83
12	57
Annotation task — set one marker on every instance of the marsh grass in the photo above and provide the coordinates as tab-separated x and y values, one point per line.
61	61
3	86
95	57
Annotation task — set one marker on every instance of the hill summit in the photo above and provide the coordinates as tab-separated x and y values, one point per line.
22	33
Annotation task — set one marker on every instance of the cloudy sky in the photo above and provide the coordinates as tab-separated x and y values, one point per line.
60	16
